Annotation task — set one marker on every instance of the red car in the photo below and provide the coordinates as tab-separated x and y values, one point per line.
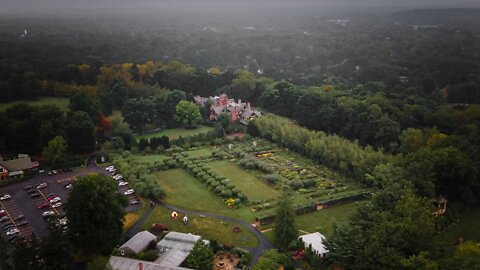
44	206
3	213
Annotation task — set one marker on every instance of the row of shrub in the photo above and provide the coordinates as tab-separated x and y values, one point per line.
252	164
154	143
221	186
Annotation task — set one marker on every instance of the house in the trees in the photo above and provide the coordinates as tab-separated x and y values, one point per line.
315	241
16	167
236	110
441	206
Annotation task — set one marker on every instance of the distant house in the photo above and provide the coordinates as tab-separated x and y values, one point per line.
16	167
173	249
316	242
138	243
236	110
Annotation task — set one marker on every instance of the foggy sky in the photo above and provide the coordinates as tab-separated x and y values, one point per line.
57	5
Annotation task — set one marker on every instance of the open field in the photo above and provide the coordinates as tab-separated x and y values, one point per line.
183	190
174	133
209	228
62	103
254	188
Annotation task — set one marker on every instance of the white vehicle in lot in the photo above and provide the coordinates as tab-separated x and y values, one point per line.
5	197
56	199
48	213
12	232
121	184
128	192
109	168
69	186
42	185
63	221
56	205
118	177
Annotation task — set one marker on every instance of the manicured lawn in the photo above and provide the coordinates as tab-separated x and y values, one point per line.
150	158
62	103
202	152
254	188
174	133
467	227
183	190
208	228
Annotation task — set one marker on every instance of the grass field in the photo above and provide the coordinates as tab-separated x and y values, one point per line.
254	188
208	228
183	190
467	227
202	152
150	158
174	133
62	103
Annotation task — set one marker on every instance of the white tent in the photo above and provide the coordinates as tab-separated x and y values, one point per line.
316	240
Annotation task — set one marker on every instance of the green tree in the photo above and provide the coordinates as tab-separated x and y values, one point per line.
55	152
273	260
187	113
285	230
80	132
95	212
139	112
55	249
201	257
419	262
25	255
466	257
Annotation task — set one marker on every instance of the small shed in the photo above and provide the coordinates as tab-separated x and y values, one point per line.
138	243
316	242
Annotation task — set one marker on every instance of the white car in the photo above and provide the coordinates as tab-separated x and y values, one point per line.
12	232
48	213
56	205
121	184
109	168
56	199
69	186
5	197
42	185
63	221
128	192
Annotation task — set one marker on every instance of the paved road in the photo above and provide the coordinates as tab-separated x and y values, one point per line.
256	252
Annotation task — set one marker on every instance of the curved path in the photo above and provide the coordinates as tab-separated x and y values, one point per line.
263	242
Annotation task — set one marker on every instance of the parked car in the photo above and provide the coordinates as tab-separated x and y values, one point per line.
23	223
5	197
58	204
56	199
69	186
12	232
63	221
50	173
54	172
110	168
20	217
11	238
2	212
128	192
42	185
41	171
121	184
27	188
48	213
9	227
134	202
44	206
34	194
4	218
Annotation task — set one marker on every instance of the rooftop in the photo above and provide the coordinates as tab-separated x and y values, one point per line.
139	241
316	241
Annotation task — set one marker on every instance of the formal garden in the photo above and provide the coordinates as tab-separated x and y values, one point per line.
244	179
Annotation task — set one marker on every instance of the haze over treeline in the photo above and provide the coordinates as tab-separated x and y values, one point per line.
51	6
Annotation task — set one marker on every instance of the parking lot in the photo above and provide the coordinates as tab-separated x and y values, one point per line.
32	200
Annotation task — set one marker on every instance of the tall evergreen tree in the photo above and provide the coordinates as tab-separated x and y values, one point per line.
201	257
285	230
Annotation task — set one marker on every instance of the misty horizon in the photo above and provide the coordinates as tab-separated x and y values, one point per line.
68	6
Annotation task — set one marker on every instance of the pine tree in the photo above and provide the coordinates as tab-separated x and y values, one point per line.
285	230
